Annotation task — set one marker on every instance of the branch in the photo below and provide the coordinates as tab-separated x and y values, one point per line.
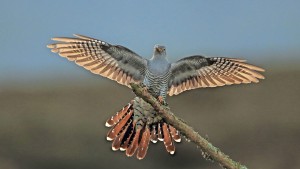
209	151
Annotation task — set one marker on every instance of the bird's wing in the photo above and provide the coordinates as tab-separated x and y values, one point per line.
112	61
198	72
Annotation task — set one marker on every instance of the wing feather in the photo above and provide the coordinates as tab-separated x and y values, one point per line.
200	72
112	61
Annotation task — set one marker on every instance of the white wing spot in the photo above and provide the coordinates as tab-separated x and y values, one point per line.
109	139
107	125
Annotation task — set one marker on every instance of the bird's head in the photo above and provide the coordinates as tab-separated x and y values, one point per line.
159	51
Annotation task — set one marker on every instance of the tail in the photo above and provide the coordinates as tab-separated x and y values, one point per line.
135	125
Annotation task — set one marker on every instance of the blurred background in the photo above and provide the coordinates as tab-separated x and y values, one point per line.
52	112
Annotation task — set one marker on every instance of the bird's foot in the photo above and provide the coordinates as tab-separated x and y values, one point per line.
162	101
143	85
144	89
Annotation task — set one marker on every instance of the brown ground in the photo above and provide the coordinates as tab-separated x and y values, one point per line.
52	126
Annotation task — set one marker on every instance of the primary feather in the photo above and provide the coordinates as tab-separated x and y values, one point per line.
112	61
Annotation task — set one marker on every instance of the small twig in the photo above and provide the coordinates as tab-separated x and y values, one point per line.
208	149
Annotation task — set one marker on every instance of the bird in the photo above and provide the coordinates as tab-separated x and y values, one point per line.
137	123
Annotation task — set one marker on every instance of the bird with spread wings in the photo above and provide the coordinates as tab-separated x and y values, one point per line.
134	126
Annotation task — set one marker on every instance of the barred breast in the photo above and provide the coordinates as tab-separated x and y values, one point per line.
157	83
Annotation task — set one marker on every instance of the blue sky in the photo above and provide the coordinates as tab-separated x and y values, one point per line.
258	30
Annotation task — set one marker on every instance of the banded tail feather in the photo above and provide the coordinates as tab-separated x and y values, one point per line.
135	125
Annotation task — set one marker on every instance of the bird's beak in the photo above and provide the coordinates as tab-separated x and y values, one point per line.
158	49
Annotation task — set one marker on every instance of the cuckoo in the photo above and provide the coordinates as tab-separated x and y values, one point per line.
136	124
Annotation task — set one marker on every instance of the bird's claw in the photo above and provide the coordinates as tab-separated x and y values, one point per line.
162	101
143	85
144	89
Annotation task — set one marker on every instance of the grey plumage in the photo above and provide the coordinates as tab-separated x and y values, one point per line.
161	77
158	73
137	123
112	61
199	72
